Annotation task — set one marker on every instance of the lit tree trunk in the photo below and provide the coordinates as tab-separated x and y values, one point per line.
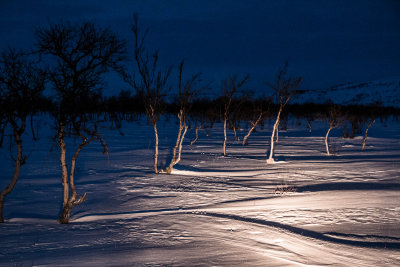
155	147
271	160
72	172
18	164
72	200
64	217
74	195
178	141
235	133
334	119
225	138
197	135
364	142
326	140
253	126
277	133
180	145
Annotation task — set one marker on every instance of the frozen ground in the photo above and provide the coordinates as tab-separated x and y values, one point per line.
335	211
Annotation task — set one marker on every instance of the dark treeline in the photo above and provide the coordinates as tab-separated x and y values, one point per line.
128	105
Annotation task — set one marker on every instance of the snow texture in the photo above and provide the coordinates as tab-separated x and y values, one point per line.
307	210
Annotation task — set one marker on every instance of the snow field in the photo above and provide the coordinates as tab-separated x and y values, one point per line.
212	210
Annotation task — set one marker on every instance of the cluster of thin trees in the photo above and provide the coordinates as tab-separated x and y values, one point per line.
63	75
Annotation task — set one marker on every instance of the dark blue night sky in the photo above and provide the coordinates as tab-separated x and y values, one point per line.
326	42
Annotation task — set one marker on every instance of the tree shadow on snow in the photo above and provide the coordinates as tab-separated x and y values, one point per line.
348	186
312	234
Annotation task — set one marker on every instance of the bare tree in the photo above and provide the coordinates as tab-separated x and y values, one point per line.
152	83
254	124
21	86
230	87
284	88
186	92
198	126
364	141
82	54
334	118
257	115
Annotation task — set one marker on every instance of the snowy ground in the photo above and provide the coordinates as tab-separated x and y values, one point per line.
341	210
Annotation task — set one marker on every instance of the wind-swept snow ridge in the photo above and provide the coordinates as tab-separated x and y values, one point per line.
308	233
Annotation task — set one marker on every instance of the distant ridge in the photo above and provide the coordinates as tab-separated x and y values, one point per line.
384	92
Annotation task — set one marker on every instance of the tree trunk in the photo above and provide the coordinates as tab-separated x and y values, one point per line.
74	195
309	126
65	214
70	201
364	142
225	138
180	145
270	160
72	172
234	131
326	140
197	136
253	126
18	164
155	147
178	140
66	210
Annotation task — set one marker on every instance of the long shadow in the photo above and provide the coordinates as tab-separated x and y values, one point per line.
362	236
361	158
51	256
308	233
243	200
323	158
348	186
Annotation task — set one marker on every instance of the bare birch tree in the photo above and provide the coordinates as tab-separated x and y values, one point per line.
186	92
151	84
334	119
254	124
198	126
230	87
284	89
82	54
258	114
21	86
364	141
